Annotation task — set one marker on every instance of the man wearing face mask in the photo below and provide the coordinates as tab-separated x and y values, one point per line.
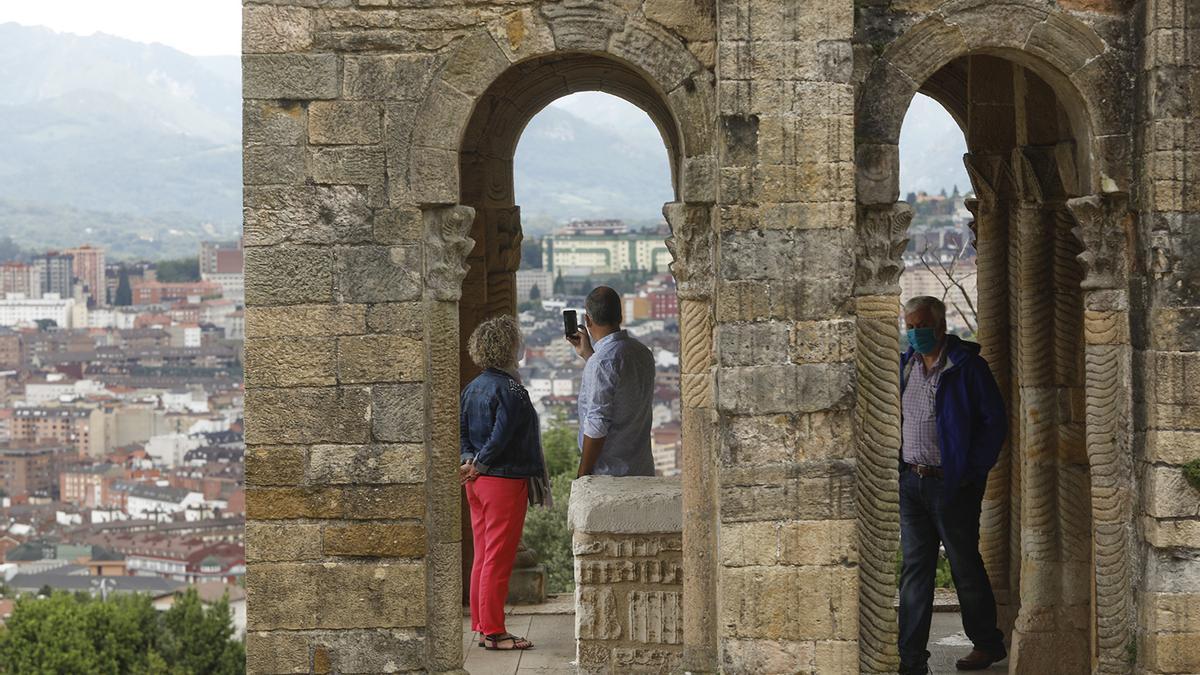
953	424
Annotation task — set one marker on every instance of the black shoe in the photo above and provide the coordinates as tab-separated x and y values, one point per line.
978	660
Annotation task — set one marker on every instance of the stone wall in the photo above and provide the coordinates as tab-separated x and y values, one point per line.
378	185
627	539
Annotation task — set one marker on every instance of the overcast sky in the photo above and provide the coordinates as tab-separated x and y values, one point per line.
203	28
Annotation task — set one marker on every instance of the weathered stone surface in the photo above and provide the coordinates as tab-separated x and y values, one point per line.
271	29
380	358
275	465
310	214
405	318
380	77
360	502
290	76
274	122
379	273
1169	495
288	275
767	656
290	362
316	415
372	651
278	652
268	542
351	595
366	464
398	226
596	617
273	165
305	320
344	123
629	505
785	388
754	344
375	540
398	413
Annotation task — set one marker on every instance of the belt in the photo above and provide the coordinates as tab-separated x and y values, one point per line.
926	471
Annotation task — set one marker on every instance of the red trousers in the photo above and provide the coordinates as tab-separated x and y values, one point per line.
497	517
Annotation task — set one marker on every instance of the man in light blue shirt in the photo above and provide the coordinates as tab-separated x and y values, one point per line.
616	396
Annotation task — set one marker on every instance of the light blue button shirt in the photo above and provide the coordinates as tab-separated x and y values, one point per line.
616	400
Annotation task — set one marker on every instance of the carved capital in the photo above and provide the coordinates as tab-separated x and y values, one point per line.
990	175
504	236
690	245
882	238
1102	222
446	249
1038	178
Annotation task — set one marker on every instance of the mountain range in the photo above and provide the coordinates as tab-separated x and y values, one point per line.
138	147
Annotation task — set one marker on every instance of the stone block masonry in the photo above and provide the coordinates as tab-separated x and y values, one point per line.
628	545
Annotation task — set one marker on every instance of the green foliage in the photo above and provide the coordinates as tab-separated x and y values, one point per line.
546	530
178	270
535	293
547	533
76	633
1191	471
124	289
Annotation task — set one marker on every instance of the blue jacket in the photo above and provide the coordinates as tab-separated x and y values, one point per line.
971	419
498	427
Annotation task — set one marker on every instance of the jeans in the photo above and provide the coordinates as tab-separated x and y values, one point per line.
925	520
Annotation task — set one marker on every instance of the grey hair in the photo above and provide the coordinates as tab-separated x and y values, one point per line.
936	307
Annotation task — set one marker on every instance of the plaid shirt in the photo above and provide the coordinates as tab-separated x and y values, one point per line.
918	413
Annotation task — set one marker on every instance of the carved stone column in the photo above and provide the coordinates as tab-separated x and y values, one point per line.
882	236
691	244
1103	224
1033	632
990	177
446	249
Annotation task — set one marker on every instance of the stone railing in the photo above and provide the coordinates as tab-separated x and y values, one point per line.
627	539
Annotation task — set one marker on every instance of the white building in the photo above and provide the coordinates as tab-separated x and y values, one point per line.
16	310
185	400
169	449
119	318
154	502
233	284
59	389
527	279
185	335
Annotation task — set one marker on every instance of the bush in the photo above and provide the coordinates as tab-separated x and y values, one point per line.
76	633
1191	472
546	530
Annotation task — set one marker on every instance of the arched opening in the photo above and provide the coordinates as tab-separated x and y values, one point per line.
519	250
1028	154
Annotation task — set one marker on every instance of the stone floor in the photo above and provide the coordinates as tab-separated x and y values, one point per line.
948	643
553	636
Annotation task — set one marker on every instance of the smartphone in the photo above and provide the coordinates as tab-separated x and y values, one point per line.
570	322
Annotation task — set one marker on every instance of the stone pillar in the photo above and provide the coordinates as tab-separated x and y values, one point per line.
989	175
883	236
1034	637
1165	314
446	248
627	540
1104	222
691	244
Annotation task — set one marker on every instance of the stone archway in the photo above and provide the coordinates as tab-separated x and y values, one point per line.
1055	528
465	134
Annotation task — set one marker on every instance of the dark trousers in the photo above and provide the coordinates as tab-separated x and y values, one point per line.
925	520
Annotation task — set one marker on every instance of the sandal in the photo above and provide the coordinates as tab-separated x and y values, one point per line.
481	637
517	642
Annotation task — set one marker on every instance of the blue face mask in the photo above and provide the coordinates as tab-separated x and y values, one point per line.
924	340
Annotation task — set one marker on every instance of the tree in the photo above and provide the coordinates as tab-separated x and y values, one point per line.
77	633
178	270
535	293
559	284
546	529
124	297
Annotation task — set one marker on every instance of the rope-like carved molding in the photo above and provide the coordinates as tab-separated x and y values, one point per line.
990	229
877	422
690	245
882	237
695	336
446	249
1103	222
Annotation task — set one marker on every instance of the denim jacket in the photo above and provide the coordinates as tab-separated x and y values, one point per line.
498	427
